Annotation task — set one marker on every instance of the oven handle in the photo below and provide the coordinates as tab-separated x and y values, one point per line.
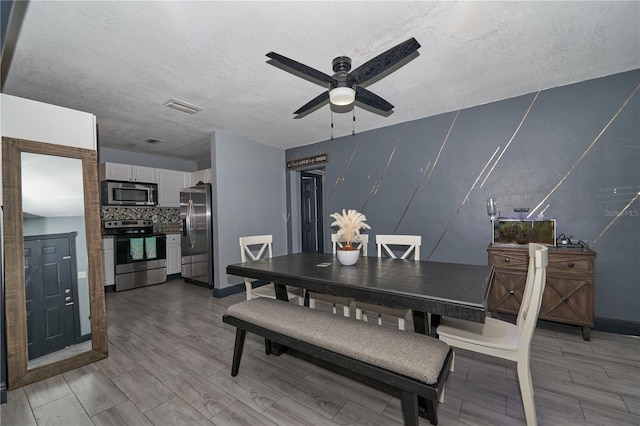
189	227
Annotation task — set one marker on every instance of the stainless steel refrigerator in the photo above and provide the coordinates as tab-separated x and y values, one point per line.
197	234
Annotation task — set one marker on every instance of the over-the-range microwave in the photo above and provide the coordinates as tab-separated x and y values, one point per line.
117	193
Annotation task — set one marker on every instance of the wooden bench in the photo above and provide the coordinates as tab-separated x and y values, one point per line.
415	364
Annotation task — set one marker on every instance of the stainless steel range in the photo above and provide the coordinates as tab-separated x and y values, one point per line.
140	254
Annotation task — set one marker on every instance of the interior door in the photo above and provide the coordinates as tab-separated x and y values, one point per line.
311	211
50	293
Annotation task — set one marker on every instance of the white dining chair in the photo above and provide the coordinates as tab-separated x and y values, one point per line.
391	246
257	247
503	339
345	302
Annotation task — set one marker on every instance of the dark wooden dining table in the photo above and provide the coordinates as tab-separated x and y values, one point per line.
439	288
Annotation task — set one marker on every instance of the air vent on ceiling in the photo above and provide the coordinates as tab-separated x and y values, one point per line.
182	106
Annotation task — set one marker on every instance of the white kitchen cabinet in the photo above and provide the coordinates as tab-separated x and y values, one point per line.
127	172
174	254
170	183
203	176
108	262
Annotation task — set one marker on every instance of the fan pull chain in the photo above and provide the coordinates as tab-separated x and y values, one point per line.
331	123
353	128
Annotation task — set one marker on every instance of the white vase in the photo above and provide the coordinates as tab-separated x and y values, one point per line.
348	257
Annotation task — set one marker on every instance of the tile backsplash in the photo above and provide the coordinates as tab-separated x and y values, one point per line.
165	219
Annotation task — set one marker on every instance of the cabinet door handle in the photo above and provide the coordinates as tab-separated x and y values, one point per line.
564	299
507	260
512	292
571	265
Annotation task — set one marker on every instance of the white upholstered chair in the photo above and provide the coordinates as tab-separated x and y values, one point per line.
502	339
388	245
257	247
330	298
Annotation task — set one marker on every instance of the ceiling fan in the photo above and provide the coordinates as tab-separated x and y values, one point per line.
345	87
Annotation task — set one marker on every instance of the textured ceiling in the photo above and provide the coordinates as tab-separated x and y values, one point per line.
123	60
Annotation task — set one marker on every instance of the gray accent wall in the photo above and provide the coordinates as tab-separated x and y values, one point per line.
571	153
248	183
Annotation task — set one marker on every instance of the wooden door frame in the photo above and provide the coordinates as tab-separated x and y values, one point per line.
295	215
318	193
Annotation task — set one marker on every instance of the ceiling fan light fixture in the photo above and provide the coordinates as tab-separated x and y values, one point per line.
342	96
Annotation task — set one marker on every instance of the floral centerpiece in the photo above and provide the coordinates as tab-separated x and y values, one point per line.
349	224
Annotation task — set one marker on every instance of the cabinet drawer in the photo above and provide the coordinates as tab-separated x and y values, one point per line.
510	260
570	264
173	239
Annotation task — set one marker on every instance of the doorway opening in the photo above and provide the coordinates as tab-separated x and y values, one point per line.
311	210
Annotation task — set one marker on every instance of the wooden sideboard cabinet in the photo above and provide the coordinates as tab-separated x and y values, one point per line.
570	289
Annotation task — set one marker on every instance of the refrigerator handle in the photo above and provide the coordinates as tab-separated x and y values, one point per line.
188	222
190	213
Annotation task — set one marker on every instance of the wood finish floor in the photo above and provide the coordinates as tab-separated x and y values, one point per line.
169	364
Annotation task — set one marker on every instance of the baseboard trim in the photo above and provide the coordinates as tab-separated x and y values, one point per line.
617	326
228	291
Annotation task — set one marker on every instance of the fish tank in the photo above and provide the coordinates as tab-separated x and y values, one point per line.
515	231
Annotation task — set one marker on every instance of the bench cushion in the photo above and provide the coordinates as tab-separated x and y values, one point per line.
414	355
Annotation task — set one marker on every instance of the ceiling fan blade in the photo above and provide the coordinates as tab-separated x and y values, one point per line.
313	103
384	61
303	70
372	100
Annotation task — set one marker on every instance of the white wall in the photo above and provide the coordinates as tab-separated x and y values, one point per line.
37	121
249	193
26	119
